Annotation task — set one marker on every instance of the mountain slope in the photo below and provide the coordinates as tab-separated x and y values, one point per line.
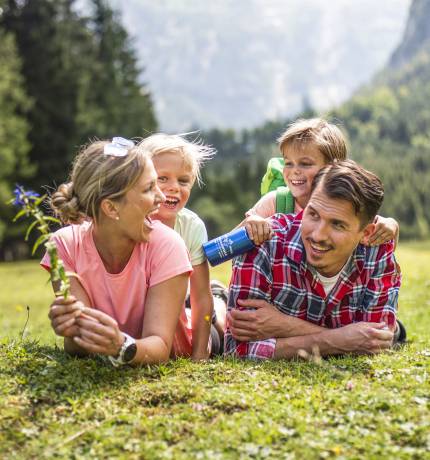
235	64
417	33
389	126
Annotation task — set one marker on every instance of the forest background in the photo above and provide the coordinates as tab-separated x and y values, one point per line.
70	74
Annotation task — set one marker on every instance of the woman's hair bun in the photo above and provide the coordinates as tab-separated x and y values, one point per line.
65	204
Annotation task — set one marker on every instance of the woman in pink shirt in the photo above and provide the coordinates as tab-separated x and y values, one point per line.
131	273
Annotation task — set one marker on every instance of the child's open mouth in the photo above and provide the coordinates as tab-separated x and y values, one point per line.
297	182
171	203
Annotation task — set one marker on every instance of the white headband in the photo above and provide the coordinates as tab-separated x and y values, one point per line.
119	147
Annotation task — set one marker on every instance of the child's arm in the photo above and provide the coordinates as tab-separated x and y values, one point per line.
386	229
201	310
258	228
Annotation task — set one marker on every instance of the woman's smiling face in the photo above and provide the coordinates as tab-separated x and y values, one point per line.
139	204
301	166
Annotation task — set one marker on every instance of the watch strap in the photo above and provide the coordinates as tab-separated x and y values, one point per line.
119	360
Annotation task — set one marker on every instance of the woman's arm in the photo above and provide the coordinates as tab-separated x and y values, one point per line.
64	313
92	331
99	333
163	306
201	310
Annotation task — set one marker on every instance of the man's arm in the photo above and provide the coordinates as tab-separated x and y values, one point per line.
262	320
375	320
251	278
358	338
380	299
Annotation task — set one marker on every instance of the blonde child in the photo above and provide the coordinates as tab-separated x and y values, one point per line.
307	146
177	162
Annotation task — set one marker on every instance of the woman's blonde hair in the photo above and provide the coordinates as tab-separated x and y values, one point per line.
96	176
325	136
193	153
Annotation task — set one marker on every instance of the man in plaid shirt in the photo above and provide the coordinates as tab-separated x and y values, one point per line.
314	284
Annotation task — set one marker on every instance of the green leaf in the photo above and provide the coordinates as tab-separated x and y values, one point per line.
21	213
52	219
39	241
39	200
29	229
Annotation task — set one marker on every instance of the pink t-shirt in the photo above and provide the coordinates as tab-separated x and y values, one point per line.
122	295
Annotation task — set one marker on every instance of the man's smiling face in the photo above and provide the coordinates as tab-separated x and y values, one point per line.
331	231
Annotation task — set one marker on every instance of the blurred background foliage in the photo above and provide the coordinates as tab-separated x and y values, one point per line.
68	77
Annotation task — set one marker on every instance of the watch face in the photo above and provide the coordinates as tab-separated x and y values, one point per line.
130	352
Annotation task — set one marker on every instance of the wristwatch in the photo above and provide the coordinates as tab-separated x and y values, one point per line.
126	353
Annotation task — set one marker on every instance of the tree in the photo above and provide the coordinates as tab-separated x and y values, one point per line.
113	101
14	146
81	73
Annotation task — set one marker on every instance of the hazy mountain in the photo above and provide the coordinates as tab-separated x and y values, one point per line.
236	63
416	36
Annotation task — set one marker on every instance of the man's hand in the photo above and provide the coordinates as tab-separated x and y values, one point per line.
63	314
98	333
258	228
258	324
362	337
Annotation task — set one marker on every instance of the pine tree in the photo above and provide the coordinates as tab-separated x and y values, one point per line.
83	76
14	146
114	101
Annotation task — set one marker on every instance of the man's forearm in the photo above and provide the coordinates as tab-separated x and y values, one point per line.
325	341
290	326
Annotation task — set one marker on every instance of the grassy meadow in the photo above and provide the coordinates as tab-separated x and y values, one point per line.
54	406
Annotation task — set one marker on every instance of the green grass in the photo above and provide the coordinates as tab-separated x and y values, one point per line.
351	407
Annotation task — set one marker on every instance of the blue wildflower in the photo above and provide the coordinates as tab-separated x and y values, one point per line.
21	194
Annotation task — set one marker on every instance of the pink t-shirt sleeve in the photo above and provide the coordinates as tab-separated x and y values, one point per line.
64	240
265	206
167	255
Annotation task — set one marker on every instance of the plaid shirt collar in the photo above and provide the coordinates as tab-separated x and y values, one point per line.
295	250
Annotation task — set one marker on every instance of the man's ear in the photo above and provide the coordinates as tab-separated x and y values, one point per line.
109	209
368	231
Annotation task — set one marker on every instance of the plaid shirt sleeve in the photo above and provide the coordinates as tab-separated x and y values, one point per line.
251	278
382	289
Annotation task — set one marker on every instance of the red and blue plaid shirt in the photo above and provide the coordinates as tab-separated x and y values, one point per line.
277	271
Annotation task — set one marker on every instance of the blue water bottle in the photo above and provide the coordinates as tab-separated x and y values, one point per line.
227	246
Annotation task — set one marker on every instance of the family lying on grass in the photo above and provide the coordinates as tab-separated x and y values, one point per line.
323	277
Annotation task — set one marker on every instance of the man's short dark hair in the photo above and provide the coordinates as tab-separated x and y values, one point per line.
346	180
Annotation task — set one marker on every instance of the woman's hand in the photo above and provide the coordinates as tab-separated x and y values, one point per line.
63	314
258	228
98	333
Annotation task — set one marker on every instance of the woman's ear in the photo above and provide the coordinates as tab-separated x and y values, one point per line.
110	209
368	231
